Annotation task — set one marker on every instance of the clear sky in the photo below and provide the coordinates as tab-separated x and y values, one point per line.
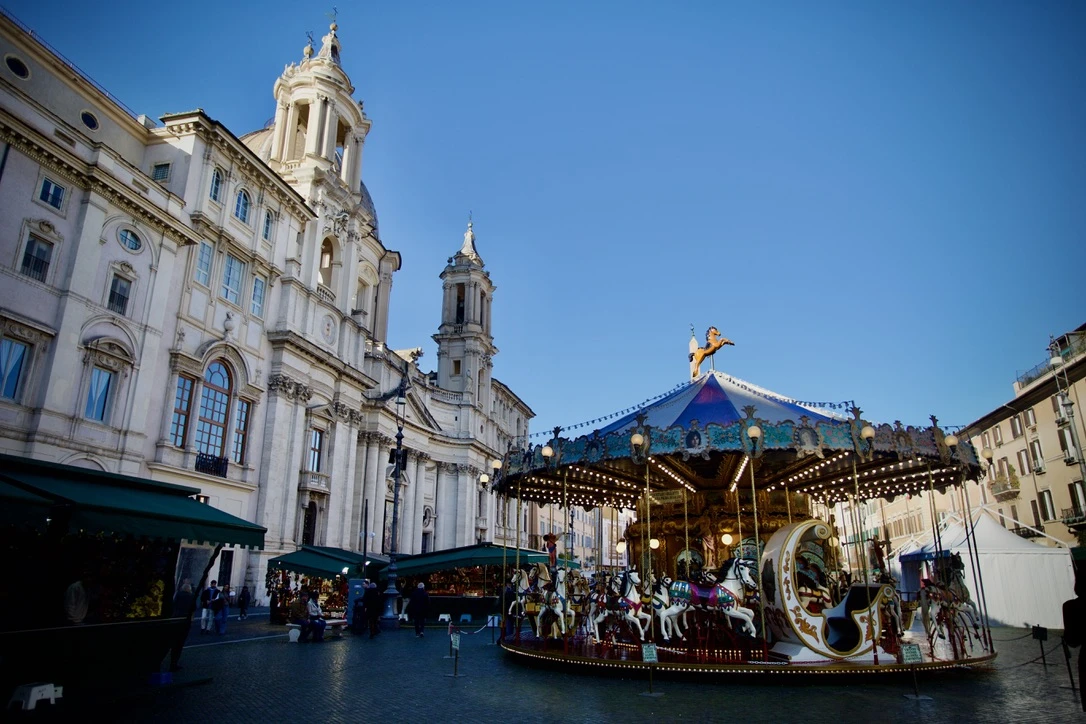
880	202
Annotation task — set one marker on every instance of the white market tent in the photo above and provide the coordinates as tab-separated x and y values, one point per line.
1024	583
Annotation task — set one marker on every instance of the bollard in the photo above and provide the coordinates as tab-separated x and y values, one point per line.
454	643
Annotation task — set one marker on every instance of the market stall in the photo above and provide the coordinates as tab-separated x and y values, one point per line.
95	556
321	570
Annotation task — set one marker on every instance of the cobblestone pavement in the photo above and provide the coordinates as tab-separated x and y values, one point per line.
256	675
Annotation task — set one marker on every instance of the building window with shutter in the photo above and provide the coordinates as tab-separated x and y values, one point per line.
1016	427
182	403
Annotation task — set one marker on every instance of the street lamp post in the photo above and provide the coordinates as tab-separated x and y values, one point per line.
389	619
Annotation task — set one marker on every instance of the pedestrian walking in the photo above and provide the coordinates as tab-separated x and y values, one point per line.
182	607
206	618
417	604
217	603
1074	624
243	603
372	601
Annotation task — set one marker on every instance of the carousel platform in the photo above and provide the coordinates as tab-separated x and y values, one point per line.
589	655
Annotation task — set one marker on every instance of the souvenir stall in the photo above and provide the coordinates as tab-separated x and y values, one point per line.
736	565
102	552
466	581
326	571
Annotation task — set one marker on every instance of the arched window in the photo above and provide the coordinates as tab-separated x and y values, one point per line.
326	263
216	186
214	406
241	206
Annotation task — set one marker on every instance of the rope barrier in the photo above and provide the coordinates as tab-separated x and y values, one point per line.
1016	638
1031	661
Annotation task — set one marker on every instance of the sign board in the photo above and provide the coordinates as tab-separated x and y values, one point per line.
456	640
1040	633
910	654
648	654
663	497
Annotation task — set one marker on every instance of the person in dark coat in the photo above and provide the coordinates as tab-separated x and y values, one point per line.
243	603
182	607
1074	623
417	604
372	601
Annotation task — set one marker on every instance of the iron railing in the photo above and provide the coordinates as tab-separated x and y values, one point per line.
211	464
1035	532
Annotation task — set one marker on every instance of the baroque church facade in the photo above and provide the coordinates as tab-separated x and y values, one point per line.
185	305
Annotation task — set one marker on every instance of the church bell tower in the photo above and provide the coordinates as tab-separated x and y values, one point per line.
465	347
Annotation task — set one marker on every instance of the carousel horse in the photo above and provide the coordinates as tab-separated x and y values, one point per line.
524	583
713	342
711	599
597	603
555	600
579	593
624	602
665	610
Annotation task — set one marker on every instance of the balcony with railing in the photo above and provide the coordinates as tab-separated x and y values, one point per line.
1003	488
1074	518
211	465
310	482
1023	532
326	294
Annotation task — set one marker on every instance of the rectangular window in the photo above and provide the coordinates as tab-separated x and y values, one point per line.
456	366
241	431
232	274
98	394
1016	426
13	356
52	193
1067	445
1036	513
1003	466
119	291
1048	510
203	264
1023	462
257	306
1002	519
1030	417
1036	456
182	403
316	442
1014	516
160	172
1078	497
36	258
997	436
987	440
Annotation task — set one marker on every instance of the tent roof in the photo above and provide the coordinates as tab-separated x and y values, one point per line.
100	502
480	554
991	537
326	562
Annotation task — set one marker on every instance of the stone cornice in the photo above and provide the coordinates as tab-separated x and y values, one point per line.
320	357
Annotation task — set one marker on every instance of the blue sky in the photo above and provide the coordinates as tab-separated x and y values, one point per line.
879	202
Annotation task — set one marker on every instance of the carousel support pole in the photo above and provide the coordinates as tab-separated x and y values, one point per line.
937	537
978	573
787	502
686	531
739	518
755	432
516	593
863	554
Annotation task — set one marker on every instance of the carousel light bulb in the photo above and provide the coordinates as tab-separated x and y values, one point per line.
755	432
867	432
951	440
620	547
484	478
548	452
726	539
496	464
654	543
637	439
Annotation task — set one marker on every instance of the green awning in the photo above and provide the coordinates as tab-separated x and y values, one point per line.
325	562
100	502
481	554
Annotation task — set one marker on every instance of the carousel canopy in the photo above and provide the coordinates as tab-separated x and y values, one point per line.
718	432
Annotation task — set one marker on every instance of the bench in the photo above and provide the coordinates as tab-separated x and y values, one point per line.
333	626
444	618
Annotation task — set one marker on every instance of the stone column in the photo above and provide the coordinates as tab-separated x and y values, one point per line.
331	126
416	508
369	505
357	501
313	127
290	133
380	493
278	131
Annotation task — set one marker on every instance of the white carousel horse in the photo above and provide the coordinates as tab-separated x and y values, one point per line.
737	575
579	594
597	603
624	601
666	611
525	586
713	598
555	600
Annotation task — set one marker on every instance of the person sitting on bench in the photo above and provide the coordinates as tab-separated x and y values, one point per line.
299	614
316	618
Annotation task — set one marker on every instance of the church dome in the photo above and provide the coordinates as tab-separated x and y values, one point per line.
368	207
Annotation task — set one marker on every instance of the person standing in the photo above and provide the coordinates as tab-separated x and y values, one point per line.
372	601
206	621
243	603
217	602
182	608
1074	625
417	604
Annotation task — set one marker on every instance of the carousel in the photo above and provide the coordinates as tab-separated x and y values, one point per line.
749	553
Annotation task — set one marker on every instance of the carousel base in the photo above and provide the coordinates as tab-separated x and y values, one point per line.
588	655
